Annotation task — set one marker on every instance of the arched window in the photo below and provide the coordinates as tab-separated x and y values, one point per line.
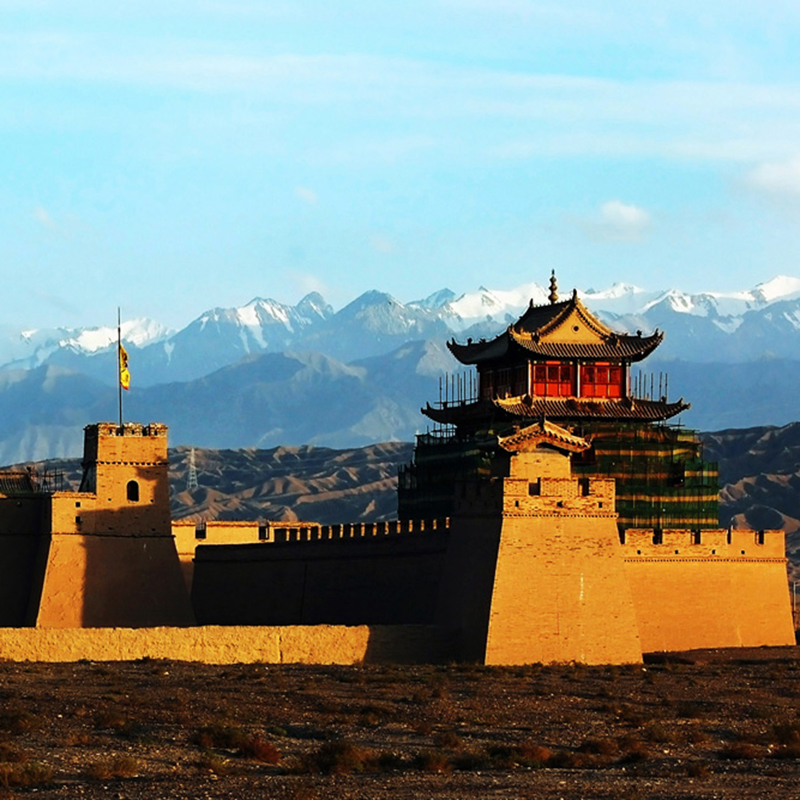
133	491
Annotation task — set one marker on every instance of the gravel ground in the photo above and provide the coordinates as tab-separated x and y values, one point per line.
721	724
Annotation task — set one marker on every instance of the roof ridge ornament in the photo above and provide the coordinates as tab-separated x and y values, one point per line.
553	296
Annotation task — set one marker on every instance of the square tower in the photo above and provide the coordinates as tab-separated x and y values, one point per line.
127	469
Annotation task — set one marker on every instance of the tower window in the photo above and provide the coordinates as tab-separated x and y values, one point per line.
133	491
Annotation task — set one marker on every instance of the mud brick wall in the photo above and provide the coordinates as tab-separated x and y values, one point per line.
349	575
709	588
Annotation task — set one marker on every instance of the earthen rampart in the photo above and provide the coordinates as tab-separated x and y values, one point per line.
361	573
317	644
709	588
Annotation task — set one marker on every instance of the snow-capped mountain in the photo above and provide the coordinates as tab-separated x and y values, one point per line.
307	373
710	326
28	349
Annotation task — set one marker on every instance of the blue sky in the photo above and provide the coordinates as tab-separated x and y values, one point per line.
173	156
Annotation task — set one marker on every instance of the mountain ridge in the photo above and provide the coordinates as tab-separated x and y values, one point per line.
735	326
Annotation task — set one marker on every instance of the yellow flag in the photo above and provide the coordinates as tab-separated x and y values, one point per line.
124	375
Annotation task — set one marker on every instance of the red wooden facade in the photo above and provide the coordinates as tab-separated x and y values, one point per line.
556	379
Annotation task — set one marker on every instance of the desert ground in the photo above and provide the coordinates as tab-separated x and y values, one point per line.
710	724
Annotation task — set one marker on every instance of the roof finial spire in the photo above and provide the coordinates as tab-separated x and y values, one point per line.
553	296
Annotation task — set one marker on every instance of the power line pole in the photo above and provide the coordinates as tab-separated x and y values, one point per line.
191	483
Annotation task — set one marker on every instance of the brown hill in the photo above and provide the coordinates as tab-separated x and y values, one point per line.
760	479
283	483
759	475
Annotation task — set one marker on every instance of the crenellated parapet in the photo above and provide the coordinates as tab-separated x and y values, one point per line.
235	532
720	544
358	530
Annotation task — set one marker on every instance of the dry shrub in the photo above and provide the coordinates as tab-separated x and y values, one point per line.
11	754
340	758
371	716
572	759
420	697
787	734
690	710
246	745
258	749
216	764
25	775
656	732
476	759
433	761
741	751
697	736
440	691
600	747
76	738
449	740
111	720
18	722
529	754
423	727
698	770
634	750
117	767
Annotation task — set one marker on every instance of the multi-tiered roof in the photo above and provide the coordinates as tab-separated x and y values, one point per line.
557	361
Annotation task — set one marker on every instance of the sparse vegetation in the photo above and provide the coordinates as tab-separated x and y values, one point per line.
296	730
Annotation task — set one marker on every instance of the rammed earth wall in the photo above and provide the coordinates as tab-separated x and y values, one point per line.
319	644
697	589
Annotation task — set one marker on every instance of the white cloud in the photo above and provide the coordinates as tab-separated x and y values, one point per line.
780	178
42	216
618	222
381	243
425	107
623	216
306	195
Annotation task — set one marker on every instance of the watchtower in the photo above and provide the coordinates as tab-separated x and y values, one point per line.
108	552
126	468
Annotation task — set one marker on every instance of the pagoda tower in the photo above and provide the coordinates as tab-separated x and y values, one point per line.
559	362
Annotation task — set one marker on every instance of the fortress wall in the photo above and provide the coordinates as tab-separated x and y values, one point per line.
561	593
464	599
185	533
97	581
24	543
189	534
534	570
24	515
104	442
347	580
322	644
73	512
22	559
711	593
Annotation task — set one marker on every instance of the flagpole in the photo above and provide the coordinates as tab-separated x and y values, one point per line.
119	367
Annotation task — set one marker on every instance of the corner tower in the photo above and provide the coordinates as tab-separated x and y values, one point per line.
126	468
109	555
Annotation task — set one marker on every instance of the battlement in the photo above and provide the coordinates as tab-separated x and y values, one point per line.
133	443
189	533
359	530
641	543
101	429
536	496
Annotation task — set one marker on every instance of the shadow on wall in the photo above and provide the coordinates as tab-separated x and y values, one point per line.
409	644
113	566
